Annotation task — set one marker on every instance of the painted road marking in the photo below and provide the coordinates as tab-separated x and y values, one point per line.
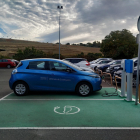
67	110
56	99
5	96
70	128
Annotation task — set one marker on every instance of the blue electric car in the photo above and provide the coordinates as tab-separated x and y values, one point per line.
52	75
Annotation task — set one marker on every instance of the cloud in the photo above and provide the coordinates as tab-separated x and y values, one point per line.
81	20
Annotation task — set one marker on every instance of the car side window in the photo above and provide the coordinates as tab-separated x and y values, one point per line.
4	60
39	65
0	60
57	66
118	62
103	62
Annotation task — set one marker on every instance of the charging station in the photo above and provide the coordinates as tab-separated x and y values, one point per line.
128	68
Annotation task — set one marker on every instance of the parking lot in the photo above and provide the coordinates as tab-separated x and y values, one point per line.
65	110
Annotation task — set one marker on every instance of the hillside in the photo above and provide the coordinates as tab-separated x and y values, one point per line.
11	46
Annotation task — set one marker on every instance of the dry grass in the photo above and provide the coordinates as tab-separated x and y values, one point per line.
11	47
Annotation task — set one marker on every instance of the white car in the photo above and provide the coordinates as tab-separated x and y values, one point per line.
87	69
99	63
81	62
99	59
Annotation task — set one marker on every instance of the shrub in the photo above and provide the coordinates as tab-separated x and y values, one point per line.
29	53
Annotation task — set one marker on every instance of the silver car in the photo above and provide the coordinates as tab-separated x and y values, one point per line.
99	63
80	62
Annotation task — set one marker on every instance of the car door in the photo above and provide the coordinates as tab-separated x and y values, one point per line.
36	75
5	63
59	79
1	63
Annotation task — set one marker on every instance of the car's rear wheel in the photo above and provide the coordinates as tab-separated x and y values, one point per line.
20	88
84	89
8	66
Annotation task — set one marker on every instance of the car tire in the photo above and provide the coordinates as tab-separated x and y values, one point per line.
20	88
95	68
83	89
8	66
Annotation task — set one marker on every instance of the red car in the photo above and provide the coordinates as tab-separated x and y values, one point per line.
7	63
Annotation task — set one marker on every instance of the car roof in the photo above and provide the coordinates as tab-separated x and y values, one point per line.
75	58
41	59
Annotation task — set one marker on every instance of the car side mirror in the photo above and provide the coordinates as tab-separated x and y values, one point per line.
68	70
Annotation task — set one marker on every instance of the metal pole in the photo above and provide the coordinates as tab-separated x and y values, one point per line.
137	85
59	33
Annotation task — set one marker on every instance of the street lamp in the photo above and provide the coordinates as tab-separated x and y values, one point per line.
138	42
59	7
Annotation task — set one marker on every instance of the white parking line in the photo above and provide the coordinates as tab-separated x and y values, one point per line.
5	96
70	128
56	99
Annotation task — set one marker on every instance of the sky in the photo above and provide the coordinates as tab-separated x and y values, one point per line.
81	21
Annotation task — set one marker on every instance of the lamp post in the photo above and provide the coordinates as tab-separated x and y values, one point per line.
138	42
59	7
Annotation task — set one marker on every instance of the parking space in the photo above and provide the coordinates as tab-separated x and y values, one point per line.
4	81
61	110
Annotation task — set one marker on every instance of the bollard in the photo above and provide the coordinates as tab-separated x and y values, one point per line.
129	88
123	84
123	78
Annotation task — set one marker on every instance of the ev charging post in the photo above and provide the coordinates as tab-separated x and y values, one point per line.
129	66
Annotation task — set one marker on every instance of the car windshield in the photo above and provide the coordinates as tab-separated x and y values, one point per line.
72	65
112	62
99	62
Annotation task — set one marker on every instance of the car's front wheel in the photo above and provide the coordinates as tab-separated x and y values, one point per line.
20	88
84	89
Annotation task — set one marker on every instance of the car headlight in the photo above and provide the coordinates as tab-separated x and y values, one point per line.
14	71
95	76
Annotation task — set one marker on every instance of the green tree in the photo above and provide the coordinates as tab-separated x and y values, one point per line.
67	43
28	53
119	45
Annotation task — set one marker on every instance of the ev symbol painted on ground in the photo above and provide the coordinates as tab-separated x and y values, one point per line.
66	110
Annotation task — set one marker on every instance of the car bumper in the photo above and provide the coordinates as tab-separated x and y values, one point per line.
96	84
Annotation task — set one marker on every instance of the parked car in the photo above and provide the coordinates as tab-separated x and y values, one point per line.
97	60
87	69
113	68
7	63
93	66
80	62
103	67
16	61
52	75
119	74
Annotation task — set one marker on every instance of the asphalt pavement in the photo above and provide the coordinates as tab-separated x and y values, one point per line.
4	81
59	134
